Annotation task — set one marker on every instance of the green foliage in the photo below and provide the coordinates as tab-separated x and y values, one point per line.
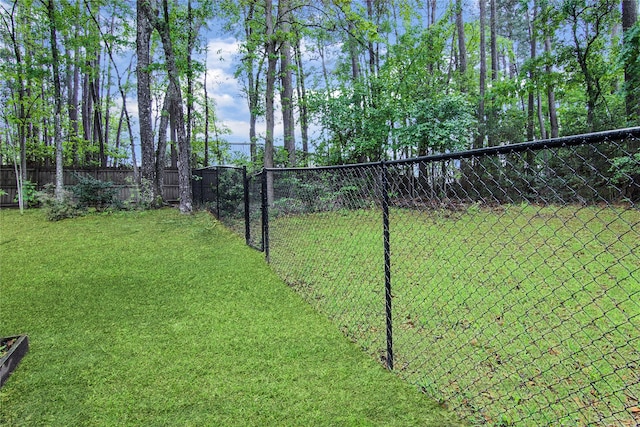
92	192
231	188
625	171
29	194
441	124
625	167
630	57
385	72
318	194
142	196
57	209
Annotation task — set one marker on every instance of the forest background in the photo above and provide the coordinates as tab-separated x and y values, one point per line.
112	83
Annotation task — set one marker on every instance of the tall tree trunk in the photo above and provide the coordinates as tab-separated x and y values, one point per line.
372	51
462	47
194	27
253	138
98	134
270	50
543	129
253	79
206	116
493	24
302	102
530	95
161	151
353	52
190	44
73	81
433	11
143	44
551	97
453	58
107	111
21	163
632	63
57	94
116	143
87	107
174	142
483	76
493	37
286	79
184	147
123	96
323	62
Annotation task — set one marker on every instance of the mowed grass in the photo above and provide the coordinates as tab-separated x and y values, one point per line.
155	318
523	315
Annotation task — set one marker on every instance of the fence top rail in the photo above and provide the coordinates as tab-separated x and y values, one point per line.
332	167
565	141
219	167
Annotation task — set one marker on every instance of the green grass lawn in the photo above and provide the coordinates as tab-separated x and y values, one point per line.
154	318
516	314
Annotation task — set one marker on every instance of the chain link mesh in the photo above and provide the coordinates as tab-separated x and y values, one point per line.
254	187
514	272
517	285
323	223
221	190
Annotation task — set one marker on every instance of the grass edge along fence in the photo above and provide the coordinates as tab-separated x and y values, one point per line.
504	282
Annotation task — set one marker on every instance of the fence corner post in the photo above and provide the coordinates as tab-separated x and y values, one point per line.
202	197
387	265
217	169
265	216
245	184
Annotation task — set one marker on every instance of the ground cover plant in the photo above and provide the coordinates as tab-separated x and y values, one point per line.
513	314
155	318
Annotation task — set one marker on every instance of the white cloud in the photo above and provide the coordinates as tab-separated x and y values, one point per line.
240	130
227	91
222	53
230	102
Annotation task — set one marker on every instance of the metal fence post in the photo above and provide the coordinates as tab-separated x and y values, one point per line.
265	216
218	192
202	198
245	183
387	264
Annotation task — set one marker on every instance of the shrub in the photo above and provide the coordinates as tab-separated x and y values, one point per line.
56	209
29	194
91	192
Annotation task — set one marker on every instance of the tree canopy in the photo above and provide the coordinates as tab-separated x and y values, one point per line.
118	83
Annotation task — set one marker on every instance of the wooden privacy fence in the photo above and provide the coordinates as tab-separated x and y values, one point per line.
122	179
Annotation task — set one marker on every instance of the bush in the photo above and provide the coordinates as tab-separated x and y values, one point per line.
141	196
55	209
91	192
29	194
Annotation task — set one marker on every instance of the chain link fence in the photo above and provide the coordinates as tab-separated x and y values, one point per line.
222	191
257	210
504	282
